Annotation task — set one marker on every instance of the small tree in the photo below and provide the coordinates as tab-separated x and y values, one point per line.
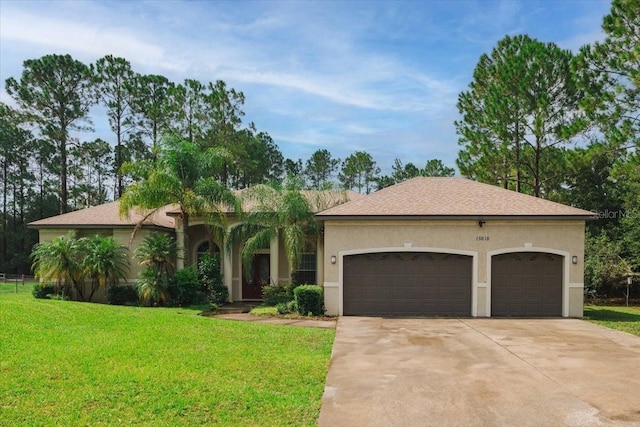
277	212
158	253
60	262
106	262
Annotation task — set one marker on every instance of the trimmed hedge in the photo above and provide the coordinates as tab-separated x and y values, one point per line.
43	291
309	300
275	294
122	295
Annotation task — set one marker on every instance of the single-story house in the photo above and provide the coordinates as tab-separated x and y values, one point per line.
424	247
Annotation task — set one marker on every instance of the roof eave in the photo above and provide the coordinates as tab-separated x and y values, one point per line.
78	226
454	217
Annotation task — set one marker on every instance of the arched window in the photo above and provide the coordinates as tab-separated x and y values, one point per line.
203	249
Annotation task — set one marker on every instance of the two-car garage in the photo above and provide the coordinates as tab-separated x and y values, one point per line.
451	247
527	284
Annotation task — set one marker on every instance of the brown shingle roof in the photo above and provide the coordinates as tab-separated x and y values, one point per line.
319	200
105	215
450	197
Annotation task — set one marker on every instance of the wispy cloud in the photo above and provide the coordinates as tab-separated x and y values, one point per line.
77	37
379	76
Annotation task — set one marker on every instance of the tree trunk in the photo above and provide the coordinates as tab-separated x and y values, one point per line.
118	156
41	185
64	194
536	169
5	195
516	143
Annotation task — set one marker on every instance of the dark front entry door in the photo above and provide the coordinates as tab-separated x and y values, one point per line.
252	283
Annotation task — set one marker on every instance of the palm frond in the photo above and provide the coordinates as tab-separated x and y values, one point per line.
259	240
294	243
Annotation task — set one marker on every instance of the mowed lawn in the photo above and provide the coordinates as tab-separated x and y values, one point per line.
625	319
69	363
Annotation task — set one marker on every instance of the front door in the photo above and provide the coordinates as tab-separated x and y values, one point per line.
252	283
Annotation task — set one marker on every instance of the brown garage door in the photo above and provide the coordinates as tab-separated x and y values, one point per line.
407	284
527	284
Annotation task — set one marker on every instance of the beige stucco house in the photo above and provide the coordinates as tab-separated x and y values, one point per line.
427	246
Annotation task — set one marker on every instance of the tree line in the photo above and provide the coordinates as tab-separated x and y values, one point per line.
541	120
49	166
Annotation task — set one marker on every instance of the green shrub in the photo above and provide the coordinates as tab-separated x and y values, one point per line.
218	296
286	307
43	291
122	295
211	279
276	294
185	288
291	287
309	300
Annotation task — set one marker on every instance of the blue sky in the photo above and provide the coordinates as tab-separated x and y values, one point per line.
379	76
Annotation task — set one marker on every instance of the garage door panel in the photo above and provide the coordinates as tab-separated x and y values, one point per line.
526	284
407	284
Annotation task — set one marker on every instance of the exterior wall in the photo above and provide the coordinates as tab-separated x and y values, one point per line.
565	238
122	236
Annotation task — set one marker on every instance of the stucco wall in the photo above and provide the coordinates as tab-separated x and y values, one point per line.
563	237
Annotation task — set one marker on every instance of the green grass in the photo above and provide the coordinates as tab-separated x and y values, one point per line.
69	363
10	287
264	310
625	319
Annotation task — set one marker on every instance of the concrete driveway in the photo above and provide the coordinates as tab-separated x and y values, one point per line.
481	372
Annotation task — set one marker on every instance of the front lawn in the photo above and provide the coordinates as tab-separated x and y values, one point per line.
625	319
70	363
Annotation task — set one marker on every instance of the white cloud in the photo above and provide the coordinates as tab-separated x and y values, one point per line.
83	38
378	76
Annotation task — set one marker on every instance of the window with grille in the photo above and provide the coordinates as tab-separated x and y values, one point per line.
203	249
306	273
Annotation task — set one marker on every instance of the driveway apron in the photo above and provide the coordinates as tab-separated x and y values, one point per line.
481	372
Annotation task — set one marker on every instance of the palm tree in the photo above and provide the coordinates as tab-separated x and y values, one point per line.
59	261
106	262
183	175
157	252
288	212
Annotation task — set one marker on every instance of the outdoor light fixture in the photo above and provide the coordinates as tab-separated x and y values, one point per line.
333	259
629	280
574	259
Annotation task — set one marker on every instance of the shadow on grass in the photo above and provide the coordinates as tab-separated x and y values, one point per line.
616	315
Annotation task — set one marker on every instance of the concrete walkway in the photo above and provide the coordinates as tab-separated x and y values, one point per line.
481	372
